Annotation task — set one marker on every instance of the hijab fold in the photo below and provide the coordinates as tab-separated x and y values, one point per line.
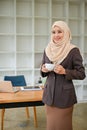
59	51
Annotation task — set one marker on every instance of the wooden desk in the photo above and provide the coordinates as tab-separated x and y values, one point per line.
21	99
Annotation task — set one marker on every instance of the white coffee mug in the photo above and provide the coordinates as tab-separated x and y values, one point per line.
49	66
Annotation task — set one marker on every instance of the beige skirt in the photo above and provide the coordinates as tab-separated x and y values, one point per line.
59	119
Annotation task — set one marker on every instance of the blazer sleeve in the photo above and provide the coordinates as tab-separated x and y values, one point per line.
78	71
43	74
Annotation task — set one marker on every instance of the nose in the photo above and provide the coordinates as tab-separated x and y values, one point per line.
56	34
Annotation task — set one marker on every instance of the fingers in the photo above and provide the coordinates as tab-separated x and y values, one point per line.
59	69
43	68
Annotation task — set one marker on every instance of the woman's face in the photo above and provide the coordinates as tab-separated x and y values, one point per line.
57	34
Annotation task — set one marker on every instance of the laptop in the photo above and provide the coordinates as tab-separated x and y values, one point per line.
31	88
6	86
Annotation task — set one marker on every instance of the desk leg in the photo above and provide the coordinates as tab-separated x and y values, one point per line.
35	117
27	111
2	119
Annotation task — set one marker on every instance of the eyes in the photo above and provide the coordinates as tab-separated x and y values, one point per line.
54	32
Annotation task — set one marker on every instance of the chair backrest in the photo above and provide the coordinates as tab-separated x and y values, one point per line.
18	80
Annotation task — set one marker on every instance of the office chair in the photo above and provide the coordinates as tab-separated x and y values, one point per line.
18	80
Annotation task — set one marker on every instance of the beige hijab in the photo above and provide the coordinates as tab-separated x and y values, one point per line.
58	52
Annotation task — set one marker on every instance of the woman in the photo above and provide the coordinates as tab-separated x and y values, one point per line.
59	93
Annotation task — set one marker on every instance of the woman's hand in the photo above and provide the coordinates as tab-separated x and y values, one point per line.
44	69
59	69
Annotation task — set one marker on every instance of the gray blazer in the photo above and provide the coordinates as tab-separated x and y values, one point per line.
59	89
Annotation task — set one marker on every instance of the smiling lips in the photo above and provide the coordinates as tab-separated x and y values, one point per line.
57	38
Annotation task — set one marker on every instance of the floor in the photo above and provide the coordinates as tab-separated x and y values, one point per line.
16	118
